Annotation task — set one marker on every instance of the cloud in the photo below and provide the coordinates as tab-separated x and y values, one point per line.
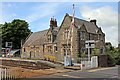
107	18
7	12
8	17
42	11
102	14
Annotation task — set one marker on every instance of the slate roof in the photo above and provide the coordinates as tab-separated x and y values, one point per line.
36	38
90	27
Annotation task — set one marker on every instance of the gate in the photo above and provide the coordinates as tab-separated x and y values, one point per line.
94	61
86	64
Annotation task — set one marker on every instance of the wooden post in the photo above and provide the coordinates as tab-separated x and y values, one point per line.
5	73
0	74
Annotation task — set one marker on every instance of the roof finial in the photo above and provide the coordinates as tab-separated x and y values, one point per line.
73	10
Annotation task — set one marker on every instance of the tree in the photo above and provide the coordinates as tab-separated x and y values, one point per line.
1	29
117	56
1	35
14	32
83	55
94	52
113	54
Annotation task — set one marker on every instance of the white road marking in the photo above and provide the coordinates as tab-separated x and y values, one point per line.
71	76
100	69
114	77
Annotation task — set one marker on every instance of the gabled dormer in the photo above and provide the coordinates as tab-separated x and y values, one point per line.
83	28
101	35
82	32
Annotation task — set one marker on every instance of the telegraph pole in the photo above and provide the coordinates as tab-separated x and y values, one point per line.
70	37
72	26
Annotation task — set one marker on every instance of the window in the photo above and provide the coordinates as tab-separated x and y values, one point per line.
101	50
82	35
49	38
24	50
55	48
66	33
66	49
89	36
49	48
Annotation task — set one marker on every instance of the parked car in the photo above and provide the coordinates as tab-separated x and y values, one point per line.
14	53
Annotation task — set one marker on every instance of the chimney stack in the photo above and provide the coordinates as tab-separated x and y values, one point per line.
53	22
93	21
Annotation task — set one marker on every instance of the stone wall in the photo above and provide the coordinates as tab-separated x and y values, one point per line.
26	64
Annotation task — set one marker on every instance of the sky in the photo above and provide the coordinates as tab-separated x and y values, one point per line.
38	14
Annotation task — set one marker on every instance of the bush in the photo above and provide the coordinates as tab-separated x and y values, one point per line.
117	58
111	61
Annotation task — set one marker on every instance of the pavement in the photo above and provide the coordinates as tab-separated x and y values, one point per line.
110	72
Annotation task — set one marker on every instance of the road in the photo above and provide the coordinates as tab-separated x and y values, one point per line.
111	72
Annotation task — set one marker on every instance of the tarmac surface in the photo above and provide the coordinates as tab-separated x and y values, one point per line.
110	72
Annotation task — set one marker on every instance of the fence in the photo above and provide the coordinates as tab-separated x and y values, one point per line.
85	64
6	74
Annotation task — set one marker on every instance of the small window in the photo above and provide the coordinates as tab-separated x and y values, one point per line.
101	50
24	49
49	48
64	51
55	48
